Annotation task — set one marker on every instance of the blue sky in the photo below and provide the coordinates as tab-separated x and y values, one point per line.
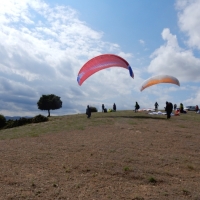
43	45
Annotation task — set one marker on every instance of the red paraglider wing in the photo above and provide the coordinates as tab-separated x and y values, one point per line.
101	62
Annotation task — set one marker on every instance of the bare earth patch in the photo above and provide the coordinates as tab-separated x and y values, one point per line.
132	156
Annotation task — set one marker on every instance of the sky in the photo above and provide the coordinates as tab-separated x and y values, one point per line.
44	44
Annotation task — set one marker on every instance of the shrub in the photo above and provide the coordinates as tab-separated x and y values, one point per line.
11	123
152	180
20	122
2	121
23	121
126	169
93	109
39	118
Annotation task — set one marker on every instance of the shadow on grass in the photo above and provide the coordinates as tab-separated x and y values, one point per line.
137	117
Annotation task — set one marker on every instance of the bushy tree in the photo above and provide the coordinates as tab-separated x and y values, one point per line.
93	109
2	121
39	118
49	102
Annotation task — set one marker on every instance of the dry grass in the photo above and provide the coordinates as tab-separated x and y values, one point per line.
122	155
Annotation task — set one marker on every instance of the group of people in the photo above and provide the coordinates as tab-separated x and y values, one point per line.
169	108
105	110
88	110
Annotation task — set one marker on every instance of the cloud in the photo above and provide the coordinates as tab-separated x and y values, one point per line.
171	59
188	20
42	49
142	42
181	62
193	99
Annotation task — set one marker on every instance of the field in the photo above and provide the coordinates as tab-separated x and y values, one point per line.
122	155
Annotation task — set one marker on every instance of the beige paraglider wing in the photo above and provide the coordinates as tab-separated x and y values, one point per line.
159	79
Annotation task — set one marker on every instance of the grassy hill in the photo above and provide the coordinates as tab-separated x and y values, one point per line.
80	122
122	155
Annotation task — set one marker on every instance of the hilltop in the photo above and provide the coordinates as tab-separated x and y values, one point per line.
122	155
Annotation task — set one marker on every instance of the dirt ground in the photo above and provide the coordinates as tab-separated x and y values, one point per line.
135	157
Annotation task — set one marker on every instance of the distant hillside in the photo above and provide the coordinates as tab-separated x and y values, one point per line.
15	117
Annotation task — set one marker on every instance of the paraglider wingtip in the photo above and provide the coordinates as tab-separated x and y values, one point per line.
78	80
131	71
142	88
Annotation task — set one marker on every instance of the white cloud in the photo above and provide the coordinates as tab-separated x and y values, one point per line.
171	59
194	99
188	19
42	49
142	42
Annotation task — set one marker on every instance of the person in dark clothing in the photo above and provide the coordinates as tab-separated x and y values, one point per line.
88	112
136	106
114	107
181	108
168	109
103	108
175	106
156	106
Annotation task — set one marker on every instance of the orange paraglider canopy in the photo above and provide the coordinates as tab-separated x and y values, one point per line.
159	79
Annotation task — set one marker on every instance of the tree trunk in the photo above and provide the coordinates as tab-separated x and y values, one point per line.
48	113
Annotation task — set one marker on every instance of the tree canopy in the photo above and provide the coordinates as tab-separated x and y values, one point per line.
2	121
49	102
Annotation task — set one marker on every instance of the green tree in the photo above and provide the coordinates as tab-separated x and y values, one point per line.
93	109
49	102
2	121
